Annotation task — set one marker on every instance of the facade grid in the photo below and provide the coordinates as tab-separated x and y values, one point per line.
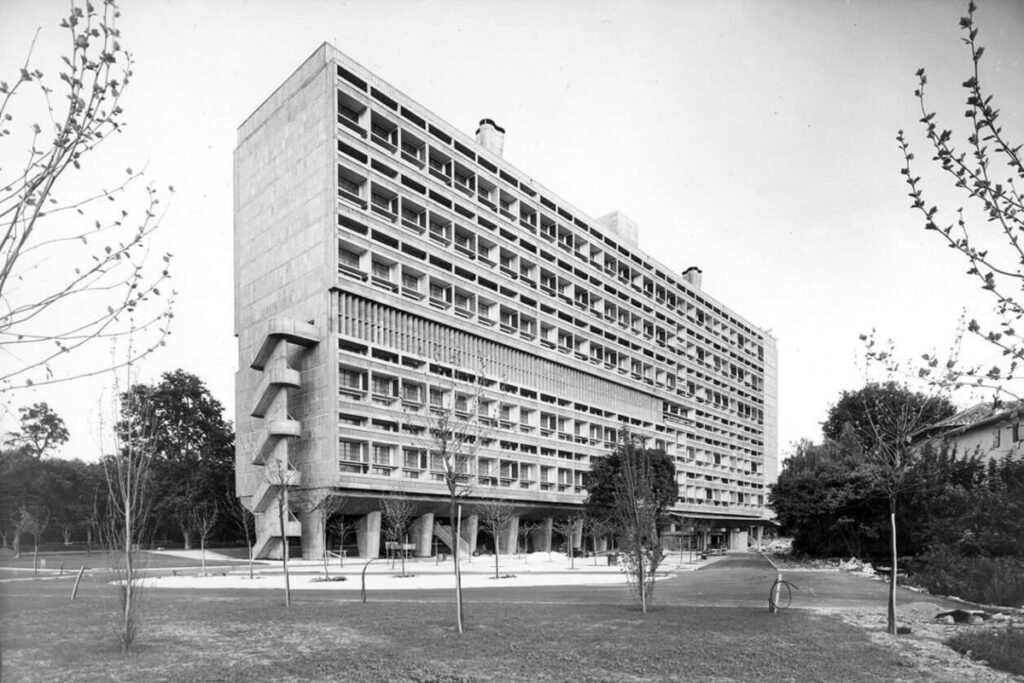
388	265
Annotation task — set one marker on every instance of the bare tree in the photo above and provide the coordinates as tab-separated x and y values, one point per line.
496	515
456	422
244	521
526	529
126	525
73	269
341	527
328	505
397	512
204	518
280	475
568	527
598	525
892	453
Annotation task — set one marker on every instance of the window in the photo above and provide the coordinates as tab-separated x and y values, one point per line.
1016	432
411	281
382	386
350	379
414	458
381	455
350	451
381	270
348	258
995	438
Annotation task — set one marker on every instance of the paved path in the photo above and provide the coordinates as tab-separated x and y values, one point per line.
741	580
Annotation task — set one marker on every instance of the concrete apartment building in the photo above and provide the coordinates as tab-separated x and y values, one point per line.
387	264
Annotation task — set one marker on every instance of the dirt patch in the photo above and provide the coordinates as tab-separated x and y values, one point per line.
923	648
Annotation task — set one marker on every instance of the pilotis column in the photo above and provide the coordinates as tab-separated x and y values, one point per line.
368	535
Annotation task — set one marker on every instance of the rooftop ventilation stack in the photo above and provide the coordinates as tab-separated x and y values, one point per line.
491	136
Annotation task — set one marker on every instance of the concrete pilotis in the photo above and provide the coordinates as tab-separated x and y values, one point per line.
470	526
312	534
423	534
546	529
368	535
577	536
510	536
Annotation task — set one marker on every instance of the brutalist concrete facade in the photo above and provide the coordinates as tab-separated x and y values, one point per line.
388	265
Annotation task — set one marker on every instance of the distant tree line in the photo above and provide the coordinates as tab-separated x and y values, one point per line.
192	468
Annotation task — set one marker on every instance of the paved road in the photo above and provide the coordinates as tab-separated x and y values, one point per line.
732	581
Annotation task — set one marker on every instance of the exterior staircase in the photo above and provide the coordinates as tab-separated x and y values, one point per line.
270	404
444	533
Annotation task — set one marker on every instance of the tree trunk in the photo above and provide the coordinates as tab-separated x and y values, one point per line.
129	583
284	549
892	575
17	544
66	533
186	535
88	540
327	555
497	551
456	519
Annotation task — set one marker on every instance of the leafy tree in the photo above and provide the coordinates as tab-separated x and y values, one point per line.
985	230
191	443
826	501
634	486
602	480
73	269
857	408
41	430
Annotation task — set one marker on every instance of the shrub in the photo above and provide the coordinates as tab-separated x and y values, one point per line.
1003	650
988	580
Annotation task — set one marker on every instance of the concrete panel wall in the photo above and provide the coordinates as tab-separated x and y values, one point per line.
285	257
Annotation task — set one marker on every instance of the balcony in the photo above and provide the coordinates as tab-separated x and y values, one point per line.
352	125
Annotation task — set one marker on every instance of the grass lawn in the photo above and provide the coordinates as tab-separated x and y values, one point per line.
189	636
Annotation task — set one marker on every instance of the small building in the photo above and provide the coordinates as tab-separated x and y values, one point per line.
988	430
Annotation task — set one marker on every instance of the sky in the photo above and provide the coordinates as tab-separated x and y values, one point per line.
754	139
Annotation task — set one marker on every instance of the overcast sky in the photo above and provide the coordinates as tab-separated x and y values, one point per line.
753	139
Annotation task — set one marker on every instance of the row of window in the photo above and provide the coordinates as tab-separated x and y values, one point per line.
441	294
588	294
440	162
384	327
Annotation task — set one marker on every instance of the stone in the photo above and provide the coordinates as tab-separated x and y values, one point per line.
944	619
975	619
998	616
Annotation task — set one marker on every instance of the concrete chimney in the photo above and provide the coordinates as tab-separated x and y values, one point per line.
491	136
693	276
